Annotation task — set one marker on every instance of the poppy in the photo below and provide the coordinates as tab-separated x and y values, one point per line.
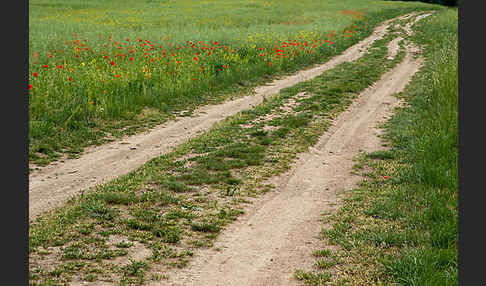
34	74
112	63
70	79
30	86
131	58
60	66
106	57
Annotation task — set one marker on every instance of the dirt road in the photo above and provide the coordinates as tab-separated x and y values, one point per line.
279	232
53	185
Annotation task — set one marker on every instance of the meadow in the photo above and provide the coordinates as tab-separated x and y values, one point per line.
99	70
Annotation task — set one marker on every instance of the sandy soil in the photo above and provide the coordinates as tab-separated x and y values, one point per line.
53	185
278	232
393	47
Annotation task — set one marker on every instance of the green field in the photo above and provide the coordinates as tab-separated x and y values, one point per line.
399	227
102	69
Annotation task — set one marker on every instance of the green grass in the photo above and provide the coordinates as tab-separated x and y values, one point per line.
182	200
400	226
97	106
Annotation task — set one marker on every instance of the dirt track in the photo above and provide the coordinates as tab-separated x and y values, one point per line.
278	232
53	185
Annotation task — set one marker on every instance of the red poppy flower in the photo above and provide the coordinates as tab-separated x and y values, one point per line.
106	57
112	63
34	74
224	66
70	79
60	66
117	75
131	59
195	58
30	86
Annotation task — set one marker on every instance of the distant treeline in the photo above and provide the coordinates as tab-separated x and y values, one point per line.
442	2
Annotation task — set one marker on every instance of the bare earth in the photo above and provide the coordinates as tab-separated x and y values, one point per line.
53	185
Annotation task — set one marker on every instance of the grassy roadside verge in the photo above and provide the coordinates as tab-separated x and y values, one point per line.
64	126
182	200
399	227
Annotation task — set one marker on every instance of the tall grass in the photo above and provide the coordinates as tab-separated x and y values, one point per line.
112	64
400	226
427	134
